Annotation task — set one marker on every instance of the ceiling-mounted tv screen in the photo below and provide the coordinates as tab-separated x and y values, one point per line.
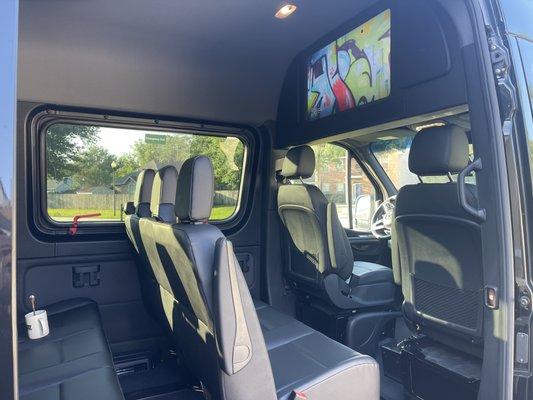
351	71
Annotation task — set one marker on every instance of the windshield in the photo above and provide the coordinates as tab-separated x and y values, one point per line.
393	156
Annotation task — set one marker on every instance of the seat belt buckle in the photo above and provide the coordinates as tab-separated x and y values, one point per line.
298	395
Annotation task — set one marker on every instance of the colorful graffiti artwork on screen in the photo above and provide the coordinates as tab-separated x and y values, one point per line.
352	71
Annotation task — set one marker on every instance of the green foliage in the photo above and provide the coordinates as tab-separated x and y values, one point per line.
66	214
93	167
328	156
64	145
176	148
73	152
227	171
127	164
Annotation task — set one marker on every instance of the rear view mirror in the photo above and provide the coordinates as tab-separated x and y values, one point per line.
363	210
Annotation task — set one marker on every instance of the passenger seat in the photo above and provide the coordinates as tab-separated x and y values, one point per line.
214	322
73	362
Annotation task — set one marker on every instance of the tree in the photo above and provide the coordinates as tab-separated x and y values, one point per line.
93	167
127	164
175	148
64	143
226	175
327	156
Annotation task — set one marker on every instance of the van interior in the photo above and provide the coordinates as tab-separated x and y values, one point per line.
262	200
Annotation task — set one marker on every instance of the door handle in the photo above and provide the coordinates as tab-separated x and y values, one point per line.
480	213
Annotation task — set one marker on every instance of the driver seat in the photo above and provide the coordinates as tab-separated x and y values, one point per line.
321	261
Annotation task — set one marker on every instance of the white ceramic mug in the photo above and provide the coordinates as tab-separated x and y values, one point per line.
37	324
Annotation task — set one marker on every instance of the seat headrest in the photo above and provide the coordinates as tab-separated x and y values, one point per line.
194	199
299	162
164	193
439	151
143	192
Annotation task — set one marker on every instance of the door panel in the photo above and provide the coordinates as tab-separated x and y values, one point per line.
110	280
366	247
99	263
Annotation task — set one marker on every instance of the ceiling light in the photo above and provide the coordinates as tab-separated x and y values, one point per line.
285	11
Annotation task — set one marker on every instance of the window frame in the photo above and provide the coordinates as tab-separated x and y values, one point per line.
44	117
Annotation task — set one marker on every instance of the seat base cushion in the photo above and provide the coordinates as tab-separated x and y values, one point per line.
372	284
307	361
73	361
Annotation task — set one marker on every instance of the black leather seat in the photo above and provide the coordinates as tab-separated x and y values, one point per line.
321	258
307	361
141	203
436	244
73	361
206	303
214	322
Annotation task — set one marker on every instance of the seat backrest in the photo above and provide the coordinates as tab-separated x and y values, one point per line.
437	255
163	194
205	297
141	201
320	245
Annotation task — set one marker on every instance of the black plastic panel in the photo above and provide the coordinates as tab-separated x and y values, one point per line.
426	75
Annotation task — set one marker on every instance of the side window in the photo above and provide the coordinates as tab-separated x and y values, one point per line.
344	183
364	198
93	170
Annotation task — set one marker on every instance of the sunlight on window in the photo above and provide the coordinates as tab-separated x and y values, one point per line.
91	170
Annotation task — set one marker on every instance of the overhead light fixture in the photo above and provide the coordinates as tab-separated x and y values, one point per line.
285	11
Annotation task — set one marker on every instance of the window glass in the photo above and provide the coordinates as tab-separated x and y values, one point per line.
393	155
91	169
364	198
332	178
526	52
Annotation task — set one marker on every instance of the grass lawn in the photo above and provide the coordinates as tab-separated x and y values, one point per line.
64	214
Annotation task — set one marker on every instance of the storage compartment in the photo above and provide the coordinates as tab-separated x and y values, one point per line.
391	355
132	363
365	329
434	371
323	318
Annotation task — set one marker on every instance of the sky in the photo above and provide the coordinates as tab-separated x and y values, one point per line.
120	141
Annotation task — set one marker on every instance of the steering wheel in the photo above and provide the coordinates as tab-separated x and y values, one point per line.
382	219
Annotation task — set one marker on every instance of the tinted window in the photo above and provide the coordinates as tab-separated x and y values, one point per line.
93	170
334	171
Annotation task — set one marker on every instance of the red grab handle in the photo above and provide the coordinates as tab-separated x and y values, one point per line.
74	227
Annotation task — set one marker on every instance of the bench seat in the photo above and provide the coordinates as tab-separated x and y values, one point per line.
307	361
73	362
